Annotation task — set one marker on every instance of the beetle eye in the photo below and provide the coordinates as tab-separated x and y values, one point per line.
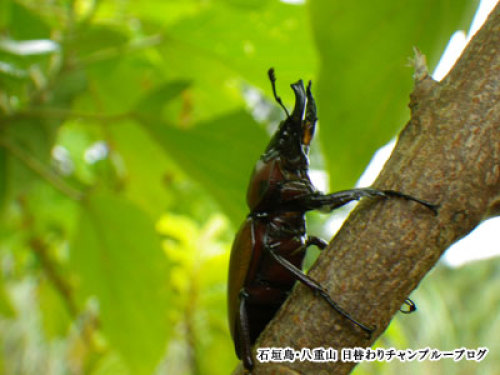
306	138
307	132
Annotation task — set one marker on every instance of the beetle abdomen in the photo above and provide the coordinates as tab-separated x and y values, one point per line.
241	254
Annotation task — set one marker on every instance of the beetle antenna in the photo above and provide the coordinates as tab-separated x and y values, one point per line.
272	78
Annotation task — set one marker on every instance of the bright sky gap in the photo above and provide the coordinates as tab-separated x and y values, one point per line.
481	243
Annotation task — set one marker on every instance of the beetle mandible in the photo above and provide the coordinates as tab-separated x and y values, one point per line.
268	250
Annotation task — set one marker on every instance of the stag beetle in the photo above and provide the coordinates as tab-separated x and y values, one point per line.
268	250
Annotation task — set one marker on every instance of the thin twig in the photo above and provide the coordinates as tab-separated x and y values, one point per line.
59	113
108	53
41	169
41	251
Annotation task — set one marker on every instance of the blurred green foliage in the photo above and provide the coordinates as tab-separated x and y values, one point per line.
457	308
128	131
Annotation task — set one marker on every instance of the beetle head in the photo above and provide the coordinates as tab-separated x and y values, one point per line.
293	137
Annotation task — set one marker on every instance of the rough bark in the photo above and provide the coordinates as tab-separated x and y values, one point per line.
448	153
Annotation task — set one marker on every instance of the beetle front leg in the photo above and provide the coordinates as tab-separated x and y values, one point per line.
244	349
317	288
329	202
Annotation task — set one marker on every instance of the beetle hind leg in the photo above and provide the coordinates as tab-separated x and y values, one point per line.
317	288
243	345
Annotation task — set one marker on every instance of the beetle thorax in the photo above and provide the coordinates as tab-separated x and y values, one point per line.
287	145
266	182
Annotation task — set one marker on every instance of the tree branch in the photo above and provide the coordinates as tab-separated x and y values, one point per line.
449	153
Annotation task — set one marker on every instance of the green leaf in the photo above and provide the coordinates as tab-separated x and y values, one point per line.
120	81
250	41
4	13
219	154
164	12
225	43
364	80
245	4
6	308
214	343
70	84
144	181
110	364
151	105
24	23
3	181
55	317
33	138
118	258
11	71
100	37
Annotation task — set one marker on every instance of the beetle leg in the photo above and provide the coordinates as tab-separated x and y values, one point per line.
318	242
317	288
311	240
329	202
411	306
244	346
